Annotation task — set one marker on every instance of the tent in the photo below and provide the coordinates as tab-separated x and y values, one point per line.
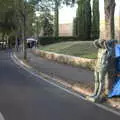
116	86
31	40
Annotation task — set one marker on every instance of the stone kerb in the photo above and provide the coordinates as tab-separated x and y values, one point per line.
66	59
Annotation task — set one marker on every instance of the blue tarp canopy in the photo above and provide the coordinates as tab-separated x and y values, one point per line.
117	50
116	89
116	86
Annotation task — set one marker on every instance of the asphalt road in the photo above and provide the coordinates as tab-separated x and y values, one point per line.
69	73
24	97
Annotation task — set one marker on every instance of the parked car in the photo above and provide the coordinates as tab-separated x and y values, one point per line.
31	42
3	45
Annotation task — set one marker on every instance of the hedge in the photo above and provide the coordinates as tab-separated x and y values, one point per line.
51	40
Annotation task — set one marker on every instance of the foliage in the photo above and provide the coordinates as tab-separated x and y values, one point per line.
51	40
55	5
95	20
12	15
86	23
83	20
6	19
46	23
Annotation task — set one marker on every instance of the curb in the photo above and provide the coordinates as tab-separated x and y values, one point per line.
66	59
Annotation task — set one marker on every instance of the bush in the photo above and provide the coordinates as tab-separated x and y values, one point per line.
51	40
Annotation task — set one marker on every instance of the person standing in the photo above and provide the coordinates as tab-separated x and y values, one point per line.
105	56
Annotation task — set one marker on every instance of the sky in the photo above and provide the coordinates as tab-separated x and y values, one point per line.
67	14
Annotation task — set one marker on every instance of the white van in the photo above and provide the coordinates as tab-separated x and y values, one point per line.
31	42
3	45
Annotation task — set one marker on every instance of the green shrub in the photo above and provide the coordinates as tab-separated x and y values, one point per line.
51	40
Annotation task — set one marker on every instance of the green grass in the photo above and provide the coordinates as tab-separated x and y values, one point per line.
80	49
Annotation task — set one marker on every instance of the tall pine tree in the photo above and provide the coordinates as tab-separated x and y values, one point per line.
95	20
83	19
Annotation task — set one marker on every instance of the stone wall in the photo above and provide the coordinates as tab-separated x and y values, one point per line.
66	59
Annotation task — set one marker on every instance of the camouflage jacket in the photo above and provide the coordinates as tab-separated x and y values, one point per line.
102	60
105	56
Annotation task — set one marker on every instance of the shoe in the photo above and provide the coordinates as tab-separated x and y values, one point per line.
92	99
93	95
101	99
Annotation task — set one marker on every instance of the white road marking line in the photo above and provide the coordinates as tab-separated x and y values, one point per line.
1	116
64	89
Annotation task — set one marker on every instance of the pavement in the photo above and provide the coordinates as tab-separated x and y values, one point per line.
26	97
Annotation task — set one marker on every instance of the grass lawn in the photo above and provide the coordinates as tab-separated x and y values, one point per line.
80	49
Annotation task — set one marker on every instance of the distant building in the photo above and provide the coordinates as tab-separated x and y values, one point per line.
65	29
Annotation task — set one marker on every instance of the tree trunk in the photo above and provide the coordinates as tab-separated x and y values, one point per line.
24	30
3	36
109	19
109	29
74	27
16	27
56	24
16	43
24	41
